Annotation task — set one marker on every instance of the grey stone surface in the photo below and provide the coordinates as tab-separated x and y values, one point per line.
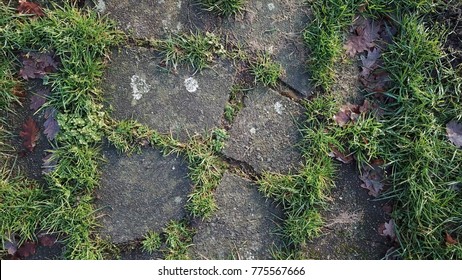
265	132
243	227
276	26
140	193
351	222
158	18
182	103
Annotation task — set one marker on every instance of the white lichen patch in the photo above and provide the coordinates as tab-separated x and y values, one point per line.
100	6
253	130
271	6
139	87
191	84
278	107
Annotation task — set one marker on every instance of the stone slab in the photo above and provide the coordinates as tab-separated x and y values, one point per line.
276	26
140	193
242	228
265	134
181	103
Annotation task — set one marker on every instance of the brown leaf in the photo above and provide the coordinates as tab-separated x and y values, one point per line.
30	8
37	65
51	125
449	240
372	177
340	156
38	99
454	133
29	134
47	240
27	249
369	62
388	229
365	34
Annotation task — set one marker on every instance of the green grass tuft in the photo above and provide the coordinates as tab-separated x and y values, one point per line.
178	240
223	7
265	70
151	242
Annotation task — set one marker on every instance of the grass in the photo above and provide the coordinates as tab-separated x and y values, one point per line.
223	7
81	40
410	137
196	49
265	70
178	240
151	242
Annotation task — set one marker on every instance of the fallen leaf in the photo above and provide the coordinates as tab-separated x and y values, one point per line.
37	65
29	134
10	246
449	240
366	32
30	8
369	62
454	133
27	249
347	113
38	99
51	124
387	208
372	177
339	155
388	229
47	240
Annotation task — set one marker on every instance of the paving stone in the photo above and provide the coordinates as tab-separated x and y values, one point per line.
243	227
157	18
276	27
265	132
140	193
182	103
351	222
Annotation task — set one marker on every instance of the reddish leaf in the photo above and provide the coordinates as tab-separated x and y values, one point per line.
388	229
47	240
29	134
26	249
37	100
30	8
365	34
454	133
37	65
348	113
51	124
449	239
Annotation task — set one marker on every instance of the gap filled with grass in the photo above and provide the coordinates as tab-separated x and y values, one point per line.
410	135
64	206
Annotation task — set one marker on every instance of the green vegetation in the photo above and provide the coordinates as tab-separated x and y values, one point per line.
223	7
198	50
80	39
151	242
324	37
178	239
265	70
205	170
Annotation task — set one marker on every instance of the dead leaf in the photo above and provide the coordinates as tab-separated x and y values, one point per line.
47	240
38	99
388	229
454	133
372	177
51	125
29	134
339	155
449	240
37	65
10	246
369	62
30	8
27	249
365	33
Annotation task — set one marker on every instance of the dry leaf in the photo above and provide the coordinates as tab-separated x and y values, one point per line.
30	8
454	133
29	134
